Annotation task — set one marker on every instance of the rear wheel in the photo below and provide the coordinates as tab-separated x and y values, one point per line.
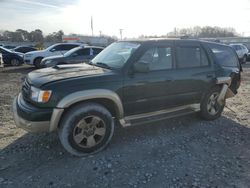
37	62
210	108
244	59
86	129
15	62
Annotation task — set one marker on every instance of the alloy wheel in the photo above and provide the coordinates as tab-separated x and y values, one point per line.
213	106
89	132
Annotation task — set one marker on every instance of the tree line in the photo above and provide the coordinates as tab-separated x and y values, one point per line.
200	32
37	35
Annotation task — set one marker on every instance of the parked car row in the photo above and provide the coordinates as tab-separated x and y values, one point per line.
76	55
61	53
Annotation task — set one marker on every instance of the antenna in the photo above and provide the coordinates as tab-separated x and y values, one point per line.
92	27
121	30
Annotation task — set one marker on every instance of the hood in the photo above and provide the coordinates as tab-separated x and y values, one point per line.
53	57
62	72
19	53
35	52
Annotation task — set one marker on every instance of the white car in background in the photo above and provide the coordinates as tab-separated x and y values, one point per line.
1	60
35	57
241	51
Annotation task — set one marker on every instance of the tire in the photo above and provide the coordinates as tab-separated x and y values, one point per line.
37	62
210	109
85	129
244	59
15	62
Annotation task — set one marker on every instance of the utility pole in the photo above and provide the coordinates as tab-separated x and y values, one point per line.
100	33
121	30
92	27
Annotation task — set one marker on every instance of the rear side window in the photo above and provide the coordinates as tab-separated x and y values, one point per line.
83	52
67	47
191	56
225	56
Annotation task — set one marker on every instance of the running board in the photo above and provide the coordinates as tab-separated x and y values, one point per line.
159	115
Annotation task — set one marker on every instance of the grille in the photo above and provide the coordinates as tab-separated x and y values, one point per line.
26	90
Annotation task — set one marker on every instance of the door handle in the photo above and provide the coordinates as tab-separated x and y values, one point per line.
209	76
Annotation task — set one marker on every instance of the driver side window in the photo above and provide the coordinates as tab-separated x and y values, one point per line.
56	48
158	58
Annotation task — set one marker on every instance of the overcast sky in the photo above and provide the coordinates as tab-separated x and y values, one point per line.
136	17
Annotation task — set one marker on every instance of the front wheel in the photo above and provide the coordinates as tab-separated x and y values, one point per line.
15	62
37	62
210	109
86	129
244	59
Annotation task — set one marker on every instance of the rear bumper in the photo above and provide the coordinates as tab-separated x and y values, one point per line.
28	125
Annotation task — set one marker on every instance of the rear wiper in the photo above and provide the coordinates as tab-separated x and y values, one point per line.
103	65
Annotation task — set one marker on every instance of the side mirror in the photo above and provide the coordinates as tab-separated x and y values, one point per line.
141	66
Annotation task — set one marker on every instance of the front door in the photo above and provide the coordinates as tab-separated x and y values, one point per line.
148	91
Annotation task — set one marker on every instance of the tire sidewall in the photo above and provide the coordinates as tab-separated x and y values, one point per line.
37	62
71	119
244	59
15	64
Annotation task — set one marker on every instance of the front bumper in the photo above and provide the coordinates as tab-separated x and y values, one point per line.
28	61
28	125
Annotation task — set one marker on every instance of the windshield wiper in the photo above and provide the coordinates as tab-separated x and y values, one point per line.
103	65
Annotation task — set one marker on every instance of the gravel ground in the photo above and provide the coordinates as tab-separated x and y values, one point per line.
180	152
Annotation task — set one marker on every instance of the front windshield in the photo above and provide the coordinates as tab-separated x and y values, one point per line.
116	54
68	53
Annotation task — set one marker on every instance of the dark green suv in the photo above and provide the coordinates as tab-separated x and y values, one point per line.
128	83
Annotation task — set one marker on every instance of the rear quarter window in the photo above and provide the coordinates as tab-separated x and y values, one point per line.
225	55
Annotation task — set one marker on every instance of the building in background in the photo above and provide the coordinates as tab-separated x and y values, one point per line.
91	40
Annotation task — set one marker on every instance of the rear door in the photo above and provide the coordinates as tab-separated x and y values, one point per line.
194	72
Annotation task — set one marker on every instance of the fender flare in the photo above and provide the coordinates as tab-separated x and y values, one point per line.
224	80
82	96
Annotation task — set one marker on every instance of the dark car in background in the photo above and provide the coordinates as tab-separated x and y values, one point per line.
76	55
9	46
24	49
11	58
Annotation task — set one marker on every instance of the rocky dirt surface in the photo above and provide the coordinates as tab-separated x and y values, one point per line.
180	152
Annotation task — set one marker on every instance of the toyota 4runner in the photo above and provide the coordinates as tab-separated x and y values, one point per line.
128	83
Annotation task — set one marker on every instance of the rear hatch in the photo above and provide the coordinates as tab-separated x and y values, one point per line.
228	63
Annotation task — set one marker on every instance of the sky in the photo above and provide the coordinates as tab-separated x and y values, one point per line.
135	17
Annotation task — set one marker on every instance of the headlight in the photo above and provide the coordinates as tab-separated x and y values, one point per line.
47	62
41	96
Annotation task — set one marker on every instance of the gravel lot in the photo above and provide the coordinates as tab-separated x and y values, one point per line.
180	152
